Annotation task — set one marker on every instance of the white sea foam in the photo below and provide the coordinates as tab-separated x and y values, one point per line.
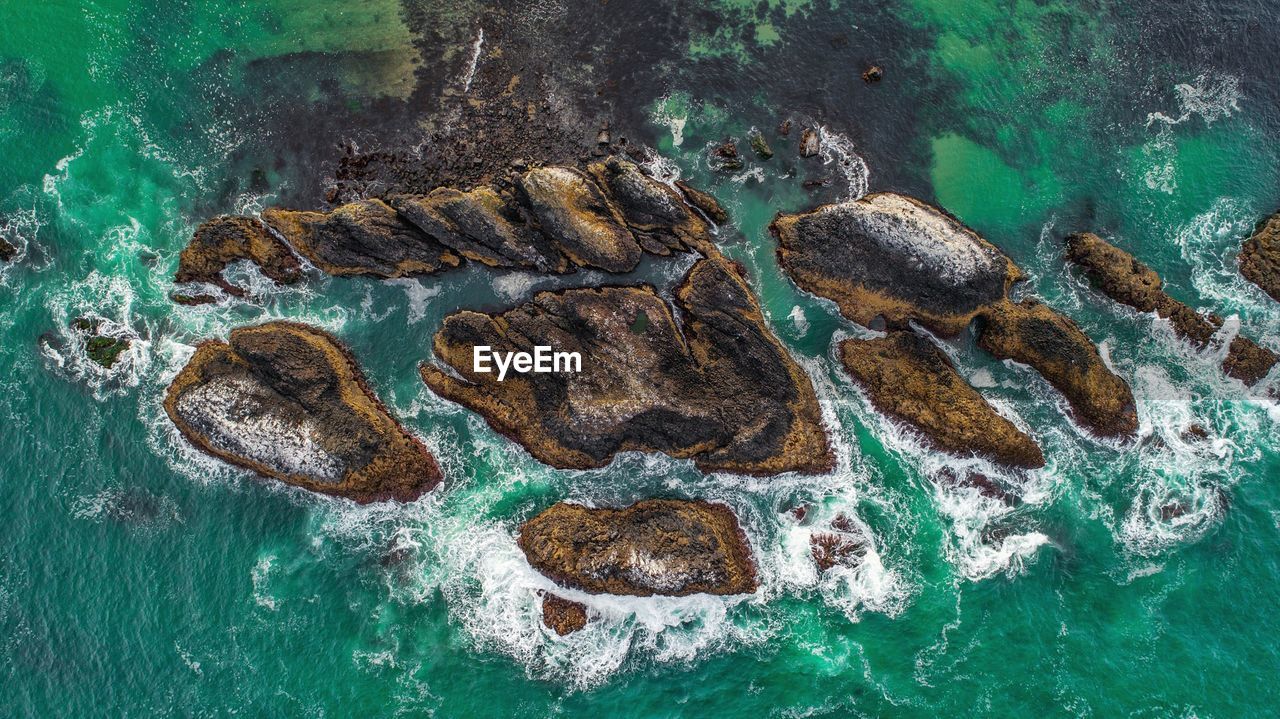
799	320
1210	96
838	150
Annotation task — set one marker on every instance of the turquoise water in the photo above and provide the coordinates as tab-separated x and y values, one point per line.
145	578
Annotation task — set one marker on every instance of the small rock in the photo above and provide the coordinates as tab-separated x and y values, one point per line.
809	143
1195	433
7	251
845	544
760	146
562	615
105	350
192	300
873	74
784	129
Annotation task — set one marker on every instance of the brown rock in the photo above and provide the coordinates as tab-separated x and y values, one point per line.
563	616
704	201
715	386
874	73
844	545
654	212
1260	256
288	402
908	378
226	239
658	546
809	142
1124	279
587	226
361	238
1033	334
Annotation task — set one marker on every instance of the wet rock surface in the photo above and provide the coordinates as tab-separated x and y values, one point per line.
563	616
843	544
7	251
1260	256
226	239
705	380
1124	279
287	401
892	256
910	379
654	547
1032	333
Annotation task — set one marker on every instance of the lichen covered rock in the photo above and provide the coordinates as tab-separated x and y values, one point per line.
288	402
715	386
908	378
658	546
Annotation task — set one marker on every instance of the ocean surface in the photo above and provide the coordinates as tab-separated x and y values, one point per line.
143	578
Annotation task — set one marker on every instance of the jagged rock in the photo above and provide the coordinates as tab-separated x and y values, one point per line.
704	201
657	546
759	145
361	238
7	251
874	73
482	226
289	402
784	128
584	222
226	239
893	256
192	300
986	486
562	615
1033	334
1124	279
844	544
809	142
653	211
908	378
1260	256
102	349
715	386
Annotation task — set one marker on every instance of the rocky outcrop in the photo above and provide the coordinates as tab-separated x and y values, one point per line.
7	251
361	238
843	544
1032	333
1260	256
706	380
910	379
889	260
704	201
562	615
810	144
552	219
893	259
103	349
226	239
658	546
1124	279
288	402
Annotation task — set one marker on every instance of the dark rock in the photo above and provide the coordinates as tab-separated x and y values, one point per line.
7	251
714	385
652	210
658	546
192	300
908	378
728	150
784	129
1260	256
562	615
704	201
1195	433
844	545
809	142
874	73
361	238
289	402
1124	279
226	239
986	486
759	145
893	256
1033	334
571	208
799	512
105	350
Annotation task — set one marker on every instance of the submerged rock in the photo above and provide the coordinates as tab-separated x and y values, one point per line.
1124	279
908	378
712	384
659	546
1032	333
102	349
844	544
187	300
226	239
1260	256
361	238
893	256
562	615
289	402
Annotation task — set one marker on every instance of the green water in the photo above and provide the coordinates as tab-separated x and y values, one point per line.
146	579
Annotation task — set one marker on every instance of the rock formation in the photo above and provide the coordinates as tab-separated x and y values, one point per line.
552	219
562	615
658	546
704	201
288	402
889	260
844	543
908	378
1260	256
7	251
706	381
1124	279
226	239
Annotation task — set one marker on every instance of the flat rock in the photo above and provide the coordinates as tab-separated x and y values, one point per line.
1260	256
1032	333
1123	278
287	401
361	238
226	239
909	378
893	257
658	546
714	385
